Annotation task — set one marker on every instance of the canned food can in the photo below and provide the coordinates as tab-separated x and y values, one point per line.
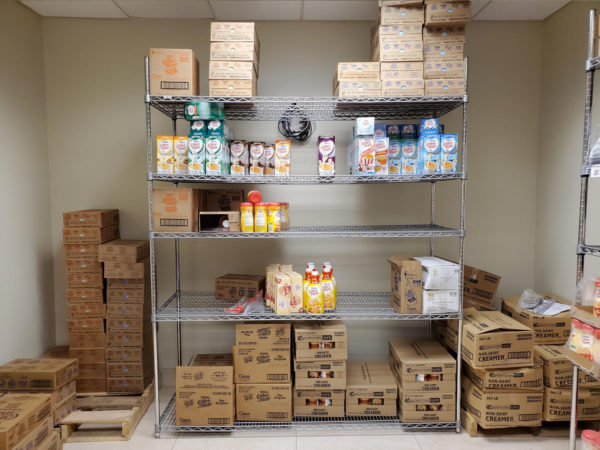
273	217
247	219
260	218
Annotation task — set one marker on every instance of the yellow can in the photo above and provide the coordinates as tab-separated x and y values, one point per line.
274	217
260	218
247	219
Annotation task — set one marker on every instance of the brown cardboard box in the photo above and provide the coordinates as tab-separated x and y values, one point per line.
399	75
53	442
232	70
175	210
438	87
407	293
495	409
264	402
205	406
427	407
96	218
232	88
320	375
345	89
128	283
125	310
129	294
85	280
548	329
88	355
443	13
122	354
262	364
447	51
211	220
451	68
87	340
233	31
439	35
321	341
517	379
21	415
469	302
125	339
36	436
44	374
479	285
352	71
234	51
87	235
124	251
92	370
319	403
263	335
206	371
221	199
83	264
64	409
126	369
403	88
122	325
85	295
557	404
127	270
80	250
492	340
126	385
235	286
558	370
86	310
88	385
371	389
56	397
401	15
399	50
415	29
422	366
173	72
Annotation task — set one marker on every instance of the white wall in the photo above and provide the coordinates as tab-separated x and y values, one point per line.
26	288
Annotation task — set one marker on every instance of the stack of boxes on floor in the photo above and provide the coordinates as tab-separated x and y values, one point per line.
83	232
320	369
234	59
479	289
129	343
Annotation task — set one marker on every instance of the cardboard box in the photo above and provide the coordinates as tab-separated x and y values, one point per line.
407	293
447	13
92	370
64	409
83	264
125	385
397	30
422	366
321	341
85	295
125	339
233	31
403	88
91	385
21	415
234	51
205	406
548	329
319	403
451	68
557	404
353	71
399	75
440	87
44	374
402	49
427	407
175	210
320	375
53	442
371	389
86	340
88	355
221	199
232	70
347	89
124	251
79	250
56	397
400	2
264	402
84	280
126	310
86	310
446	51
232	88
493	409
126	369
439	35
480	285
558	370
442	301
121	354
439	273
401	15
38	435
121	325
517	379
127	270
88	235
263	335
173	72
469	302
127	294
262	364
235	286
206	371
96	218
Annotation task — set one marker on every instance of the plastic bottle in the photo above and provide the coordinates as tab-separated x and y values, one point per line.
575	337
587	341
597	298
328	288
332	276
307	274
314	295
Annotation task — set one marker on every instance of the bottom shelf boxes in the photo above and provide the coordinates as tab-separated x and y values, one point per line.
319	403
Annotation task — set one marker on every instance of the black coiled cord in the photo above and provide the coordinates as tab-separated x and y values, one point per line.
304	127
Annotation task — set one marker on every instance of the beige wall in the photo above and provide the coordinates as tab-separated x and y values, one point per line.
26	289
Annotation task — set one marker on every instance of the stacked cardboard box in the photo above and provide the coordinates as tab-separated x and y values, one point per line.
262	372
371	389
204	391
83	232
320	368
128	298
173	72
52	376
234	59
479	289
357	79
426	376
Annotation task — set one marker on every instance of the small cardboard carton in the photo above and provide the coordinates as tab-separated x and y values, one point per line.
84	280
443	13
127	325
175	210
88	355
493	409
127	270
232	70
90	235
221	199
441	301
446	51
52	442
407	292
557	404
402	88
558	370
206	371
443	34
320	374
82	264
64	409
234	51
125	339
122	354
126	369
125	310
233	31
491	340
126	385
358	71
21	415
263	335
35	437
548	329
92	370
422	366
88	385
87	340
57	397
444	86
232	88
173	72
404	49
85	310
517	379
450	68
124	251
235	286
480	285
319	403
85	295
321	341
262	364
371	389
93	325
401	15
96	218
44	374
80	250
264	402
439	274
357	88
427	407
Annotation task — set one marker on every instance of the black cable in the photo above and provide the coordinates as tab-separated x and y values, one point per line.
304	126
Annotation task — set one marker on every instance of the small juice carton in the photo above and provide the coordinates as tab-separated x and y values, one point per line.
365	126
198	128
409	131
239	158
380	130
429	147
165	156
196	155
283	157
217	156
283	292
215	128
395	157
382	152
449	153
393	131
269	159
429	127
410	156
257	158
326	150
365	154
180	145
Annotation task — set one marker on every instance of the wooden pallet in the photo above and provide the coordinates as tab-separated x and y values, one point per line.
106	418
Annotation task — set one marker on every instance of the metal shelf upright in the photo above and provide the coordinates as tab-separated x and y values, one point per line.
202	307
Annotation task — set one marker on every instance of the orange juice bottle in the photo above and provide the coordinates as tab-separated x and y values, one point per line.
314	295
328	289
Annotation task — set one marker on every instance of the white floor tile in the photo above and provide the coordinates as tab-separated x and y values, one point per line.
358	442
251	443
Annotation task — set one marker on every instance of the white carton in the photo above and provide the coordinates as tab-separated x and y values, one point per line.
440	301
439	274
365	126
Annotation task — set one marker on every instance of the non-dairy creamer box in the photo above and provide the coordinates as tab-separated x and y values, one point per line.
444	51
451	68
449	153
382	152
403	88
257	158
395	156
365	126
358	71
429	126
365	154
165	156
239	158
380	130
233	51
233	31
409	131
358	88
401	70
399	30
215	128
429	154
269	159
283	157
197	128
231	70
180	146
410	156
437	35
196	155
403	50
326	151
455	86
217	156
392	131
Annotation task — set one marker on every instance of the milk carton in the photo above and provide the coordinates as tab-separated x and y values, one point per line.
410	156
365	155
429	127
283	157
449	153
269	159
217	156
196	155
257	158
395	157
429	154
239	158
382	152
326	151
180	146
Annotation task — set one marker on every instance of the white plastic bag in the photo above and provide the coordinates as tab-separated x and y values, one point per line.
586	290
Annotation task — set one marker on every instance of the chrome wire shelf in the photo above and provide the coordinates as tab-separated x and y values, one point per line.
593	63
203	307
316	108
304	179
328	231
584	249
167	424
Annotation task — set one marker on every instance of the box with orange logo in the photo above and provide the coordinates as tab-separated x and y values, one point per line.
173	72
175	210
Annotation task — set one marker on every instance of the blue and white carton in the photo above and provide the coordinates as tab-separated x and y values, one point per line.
449	153
429	154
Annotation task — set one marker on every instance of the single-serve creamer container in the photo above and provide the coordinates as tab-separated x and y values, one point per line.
326	150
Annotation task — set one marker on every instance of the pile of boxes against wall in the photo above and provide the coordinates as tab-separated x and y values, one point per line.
417	49
83	233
